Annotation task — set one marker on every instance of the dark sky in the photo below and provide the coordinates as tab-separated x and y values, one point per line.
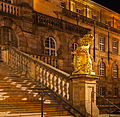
111	4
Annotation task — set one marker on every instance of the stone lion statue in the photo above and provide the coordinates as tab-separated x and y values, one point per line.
82	59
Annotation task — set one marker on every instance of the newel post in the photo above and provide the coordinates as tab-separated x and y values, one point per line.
82	88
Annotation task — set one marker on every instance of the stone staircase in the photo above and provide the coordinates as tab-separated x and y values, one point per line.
20	97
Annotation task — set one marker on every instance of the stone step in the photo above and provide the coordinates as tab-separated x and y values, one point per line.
19	95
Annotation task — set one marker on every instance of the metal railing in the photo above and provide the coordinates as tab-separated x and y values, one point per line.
109	106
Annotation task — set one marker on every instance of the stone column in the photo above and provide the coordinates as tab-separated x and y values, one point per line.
82	88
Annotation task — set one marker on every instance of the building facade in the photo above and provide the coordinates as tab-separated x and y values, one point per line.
50	30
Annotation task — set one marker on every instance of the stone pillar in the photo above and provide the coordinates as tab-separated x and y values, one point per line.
82	86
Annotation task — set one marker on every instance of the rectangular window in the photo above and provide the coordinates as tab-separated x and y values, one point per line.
102	43
115	47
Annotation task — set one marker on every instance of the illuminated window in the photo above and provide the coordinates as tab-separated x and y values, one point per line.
102	43
115	71
50	46
74	46
72	6
115	47
89	13
102	69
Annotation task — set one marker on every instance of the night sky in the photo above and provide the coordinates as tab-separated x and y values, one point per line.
111	4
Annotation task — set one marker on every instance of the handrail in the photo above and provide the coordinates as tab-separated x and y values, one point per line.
109	102
65	102
56	101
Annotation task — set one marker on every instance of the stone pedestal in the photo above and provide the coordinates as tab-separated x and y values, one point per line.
83	94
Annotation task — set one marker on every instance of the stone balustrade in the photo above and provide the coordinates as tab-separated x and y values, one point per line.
9	8
87	20
51	60
50	77
59	24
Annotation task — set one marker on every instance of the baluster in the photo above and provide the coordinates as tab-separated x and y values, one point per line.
68	91
17	11
5	8
2	7
44	73
51	61
57	84
55	62
51	85
53	78
11	9
65	89
38	57
45	59
61	87
45	78
39	74
55	88
14	10
49	80
36	72
8	9
59	81
42	76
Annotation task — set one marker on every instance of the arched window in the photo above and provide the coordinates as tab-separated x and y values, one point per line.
74	46
115	71
102	69
50	46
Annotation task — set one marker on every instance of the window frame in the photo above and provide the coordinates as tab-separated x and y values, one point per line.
102	69
50	48
102	43
115	71
115	48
